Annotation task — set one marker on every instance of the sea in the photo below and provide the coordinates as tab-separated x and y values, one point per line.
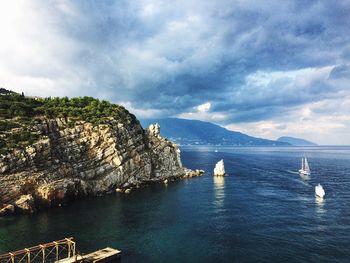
262	211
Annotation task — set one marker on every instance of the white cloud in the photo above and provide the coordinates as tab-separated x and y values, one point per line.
323	122
281	87
34	53
141	113
216	117
204	107
301	77
202	112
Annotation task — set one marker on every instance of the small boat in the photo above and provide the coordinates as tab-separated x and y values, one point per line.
319	191
305	169
216	150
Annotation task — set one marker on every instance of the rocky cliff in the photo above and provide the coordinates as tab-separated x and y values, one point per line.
68	162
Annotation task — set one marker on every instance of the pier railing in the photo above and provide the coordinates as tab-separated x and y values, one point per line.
44	253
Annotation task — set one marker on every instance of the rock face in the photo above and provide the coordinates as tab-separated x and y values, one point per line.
7	209
219	169
154	130
25	204
83	160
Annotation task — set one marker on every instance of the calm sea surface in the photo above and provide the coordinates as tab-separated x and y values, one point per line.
262	212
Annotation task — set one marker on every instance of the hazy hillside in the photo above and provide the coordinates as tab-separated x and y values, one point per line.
295	141
187	132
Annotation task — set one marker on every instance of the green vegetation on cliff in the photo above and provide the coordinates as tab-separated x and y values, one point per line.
19	114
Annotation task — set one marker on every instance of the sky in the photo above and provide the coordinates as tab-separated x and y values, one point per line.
266	68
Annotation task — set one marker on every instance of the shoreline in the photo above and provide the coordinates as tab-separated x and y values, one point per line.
10	210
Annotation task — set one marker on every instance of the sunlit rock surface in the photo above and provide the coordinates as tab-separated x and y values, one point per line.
83	160
219	169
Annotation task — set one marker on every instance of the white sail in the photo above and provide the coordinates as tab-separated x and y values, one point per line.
306	166
305	169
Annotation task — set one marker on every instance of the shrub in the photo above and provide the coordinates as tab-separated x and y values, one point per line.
17	111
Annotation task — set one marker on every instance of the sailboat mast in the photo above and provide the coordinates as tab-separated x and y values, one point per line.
302	163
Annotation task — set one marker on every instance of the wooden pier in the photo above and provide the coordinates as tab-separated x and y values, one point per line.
105	255
61	251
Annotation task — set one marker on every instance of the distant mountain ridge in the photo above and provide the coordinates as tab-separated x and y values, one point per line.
194	132
296	141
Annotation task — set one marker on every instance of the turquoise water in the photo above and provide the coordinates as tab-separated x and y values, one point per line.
262	212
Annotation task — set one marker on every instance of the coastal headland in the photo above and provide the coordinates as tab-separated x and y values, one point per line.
54	150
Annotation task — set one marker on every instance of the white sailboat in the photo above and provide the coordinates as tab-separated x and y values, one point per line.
305	169
319	191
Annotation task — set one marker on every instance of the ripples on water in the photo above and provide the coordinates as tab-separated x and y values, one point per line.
262	212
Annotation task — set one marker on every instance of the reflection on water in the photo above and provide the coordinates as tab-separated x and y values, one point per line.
320	210
319	201
305	177
219	185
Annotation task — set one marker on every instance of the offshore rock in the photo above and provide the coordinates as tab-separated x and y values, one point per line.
85	160
219	169
190	173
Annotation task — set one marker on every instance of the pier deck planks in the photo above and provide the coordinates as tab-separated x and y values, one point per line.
105	255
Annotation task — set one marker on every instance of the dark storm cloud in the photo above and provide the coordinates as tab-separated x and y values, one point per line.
252	60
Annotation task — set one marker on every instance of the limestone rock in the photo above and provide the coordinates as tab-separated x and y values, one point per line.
190	173
154	129
86	160
25	204
119	190
219	169
7	209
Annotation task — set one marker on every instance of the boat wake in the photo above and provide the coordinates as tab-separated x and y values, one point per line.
304	178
